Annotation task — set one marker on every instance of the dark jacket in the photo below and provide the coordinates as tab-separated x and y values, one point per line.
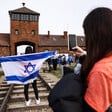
67	94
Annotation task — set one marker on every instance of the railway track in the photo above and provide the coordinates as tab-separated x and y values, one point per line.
12	96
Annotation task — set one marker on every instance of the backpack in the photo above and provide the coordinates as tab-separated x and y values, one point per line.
67	94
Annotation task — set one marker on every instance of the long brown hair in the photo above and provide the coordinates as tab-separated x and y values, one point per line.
28	50
98	32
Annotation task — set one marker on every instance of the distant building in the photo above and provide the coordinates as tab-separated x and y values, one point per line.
24	30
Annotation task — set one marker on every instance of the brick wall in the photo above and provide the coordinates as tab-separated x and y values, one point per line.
24	33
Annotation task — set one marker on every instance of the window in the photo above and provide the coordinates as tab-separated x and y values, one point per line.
33	32
17	32
17	16
33	18
13	16
27	17
24	17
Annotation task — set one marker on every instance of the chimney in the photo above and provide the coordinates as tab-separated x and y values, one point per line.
48	34
65	34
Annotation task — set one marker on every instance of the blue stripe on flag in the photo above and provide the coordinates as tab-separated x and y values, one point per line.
28	64
26	57
22	79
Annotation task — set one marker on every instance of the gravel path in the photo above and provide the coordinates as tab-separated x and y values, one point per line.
1	79
51	76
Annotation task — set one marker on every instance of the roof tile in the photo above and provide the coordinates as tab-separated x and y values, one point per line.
24	10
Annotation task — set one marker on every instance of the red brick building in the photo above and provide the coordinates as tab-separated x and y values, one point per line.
24	30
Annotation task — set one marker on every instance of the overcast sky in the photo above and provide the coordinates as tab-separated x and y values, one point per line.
56	16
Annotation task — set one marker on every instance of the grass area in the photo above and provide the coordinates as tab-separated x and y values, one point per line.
1	73
56	73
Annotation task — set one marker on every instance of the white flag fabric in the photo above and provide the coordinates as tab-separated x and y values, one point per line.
23	69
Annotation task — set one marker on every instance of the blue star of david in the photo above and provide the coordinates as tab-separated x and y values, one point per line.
31	66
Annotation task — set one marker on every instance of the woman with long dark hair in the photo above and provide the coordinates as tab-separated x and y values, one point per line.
97	67
91	89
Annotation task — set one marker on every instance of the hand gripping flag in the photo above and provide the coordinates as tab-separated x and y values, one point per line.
23	69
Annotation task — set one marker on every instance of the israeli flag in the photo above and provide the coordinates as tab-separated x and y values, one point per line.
23	69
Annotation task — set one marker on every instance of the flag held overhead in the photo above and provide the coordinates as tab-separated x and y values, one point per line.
23	69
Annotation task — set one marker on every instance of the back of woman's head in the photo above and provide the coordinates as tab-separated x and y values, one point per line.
98	32
28	50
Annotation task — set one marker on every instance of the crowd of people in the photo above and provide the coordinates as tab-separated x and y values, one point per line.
53	63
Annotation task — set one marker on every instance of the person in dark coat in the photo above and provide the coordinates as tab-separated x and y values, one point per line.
49	62
55	62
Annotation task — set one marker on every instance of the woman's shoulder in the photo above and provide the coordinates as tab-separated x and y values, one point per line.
102	67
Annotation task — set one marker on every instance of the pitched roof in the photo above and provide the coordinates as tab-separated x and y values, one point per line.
24	10
53	40
4	39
